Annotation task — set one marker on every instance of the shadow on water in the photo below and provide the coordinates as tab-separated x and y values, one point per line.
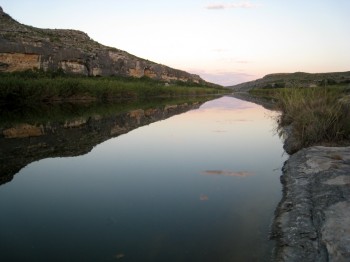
28	134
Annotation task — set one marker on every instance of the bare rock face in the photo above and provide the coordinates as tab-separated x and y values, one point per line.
312	221
24	47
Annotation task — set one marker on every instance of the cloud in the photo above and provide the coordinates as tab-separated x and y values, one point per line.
245	4
216	6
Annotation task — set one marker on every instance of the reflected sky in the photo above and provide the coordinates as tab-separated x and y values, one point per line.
175	190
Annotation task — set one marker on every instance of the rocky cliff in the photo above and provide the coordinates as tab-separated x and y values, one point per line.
25	47
298	79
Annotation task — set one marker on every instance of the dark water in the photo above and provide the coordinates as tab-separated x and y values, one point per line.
198	186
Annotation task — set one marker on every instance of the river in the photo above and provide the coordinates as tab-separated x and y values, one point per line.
190	182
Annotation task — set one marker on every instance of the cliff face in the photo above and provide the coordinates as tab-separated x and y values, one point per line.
24	47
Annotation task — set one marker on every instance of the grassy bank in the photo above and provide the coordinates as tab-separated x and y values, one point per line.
316	115
33	87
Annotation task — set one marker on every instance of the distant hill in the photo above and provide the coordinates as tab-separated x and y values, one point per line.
298	79
25	47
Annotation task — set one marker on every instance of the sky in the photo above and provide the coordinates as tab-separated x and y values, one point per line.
225	42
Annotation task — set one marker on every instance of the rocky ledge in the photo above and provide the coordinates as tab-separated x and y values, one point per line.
312	221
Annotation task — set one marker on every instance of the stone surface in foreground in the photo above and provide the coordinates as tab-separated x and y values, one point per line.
312	221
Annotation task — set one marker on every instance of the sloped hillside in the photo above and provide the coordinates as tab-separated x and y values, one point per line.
25	47
298	79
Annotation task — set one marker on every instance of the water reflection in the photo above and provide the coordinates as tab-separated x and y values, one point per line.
203	197
71	130
226	173
165	192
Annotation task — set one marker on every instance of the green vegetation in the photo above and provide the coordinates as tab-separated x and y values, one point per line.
60	112
317	115
32	87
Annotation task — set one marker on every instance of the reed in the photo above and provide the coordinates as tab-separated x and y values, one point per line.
34	87
316	115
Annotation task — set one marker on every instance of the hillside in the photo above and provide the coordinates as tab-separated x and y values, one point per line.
25	47
298	79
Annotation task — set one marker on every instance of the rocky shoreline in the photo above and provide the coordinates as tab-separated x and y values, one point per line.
312	221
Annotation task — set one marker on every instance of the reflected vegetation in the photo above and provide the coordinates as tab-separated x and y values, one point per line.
62	130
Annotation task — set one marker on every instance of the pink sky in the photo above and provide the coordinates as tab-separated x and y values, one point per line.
226	42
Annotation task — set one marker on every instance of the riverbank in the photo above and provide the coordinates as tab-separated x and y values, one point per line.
32	87
312	221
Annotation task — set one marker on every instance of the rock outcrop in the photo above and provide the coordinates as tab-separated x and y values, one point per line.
25	47
298	79
313	219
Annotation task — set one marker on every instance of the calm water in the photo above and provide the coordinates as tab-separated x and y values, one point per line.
199	186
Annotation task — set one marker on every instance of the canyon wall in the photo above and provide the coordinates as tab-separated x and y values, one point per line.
25	47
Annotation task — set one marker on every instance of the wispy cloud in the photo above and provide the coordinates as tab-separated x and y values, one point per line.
246	4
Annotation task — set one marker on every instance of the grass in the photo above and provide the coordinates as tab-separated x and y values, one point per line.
316	115
35	86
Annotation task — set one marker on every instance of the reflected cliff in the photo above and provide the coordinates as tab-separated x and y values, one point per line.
63	130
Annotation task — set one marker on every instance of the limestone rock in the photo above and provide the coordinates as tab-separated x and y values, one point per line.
23	130
312	221
24	47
